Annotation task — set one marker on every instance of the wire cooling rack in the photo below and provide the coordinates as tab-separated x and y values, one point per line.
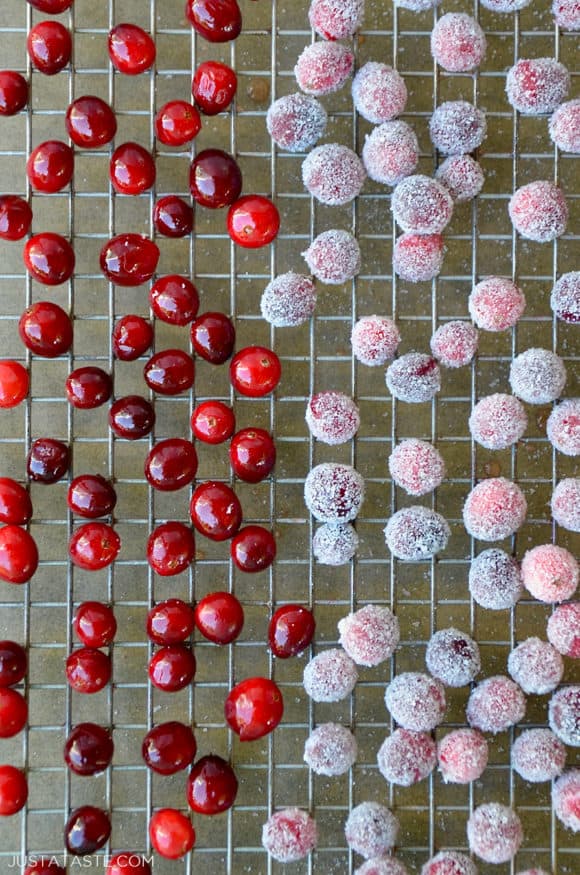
425	596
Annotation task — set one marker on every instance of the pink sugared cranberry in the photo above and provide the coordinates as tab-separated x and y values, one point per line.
453	657
458	42
374	340
390	152
335	19
537	755
386	864
454	344
538	376
462	756
333	174
288	300
334	492
563	427
495	580
370	635
332	417
536	666
496	304
495	704
539	211
566	14
505	5
421	205
379	93
416	533
565	297
334	543
538	85
494	832
323	67
566	799
296	122
330	676
563	629
457	127
498	421
414	377
333	257
564	714
564	126
289	835
371	829
416	701
494	509
462	176
550	573
416	466
418	258
330	750
407	757
449	863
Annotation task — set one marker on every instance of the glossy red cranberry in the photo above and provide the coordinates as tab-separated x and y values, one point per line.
170	548
290	631
214	87
169	747
13	663
87	388
173	217
215	180
13	712
213	336
132	337
51	7
252	454
170	622
255	371
14	383
219	617
253	221
177	123
48	460
131	49
213	422
90	122
217	20
15	217
128	863
15	503
94	546
91	496
87	830
254	708
253	549
50	166
172	668
13	790
49	258
171	833
174	299
94	624
170	372
18	555
171	464
131	417
13	92
49	46
212	786
88	749
88	670
131	169
129	259
46	330
44	865
215	510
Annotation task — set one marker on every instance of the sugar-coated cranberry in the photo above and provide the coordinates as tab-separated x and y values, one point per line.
451	863
213	422
13	92
330	676
296	122
50	166
14	383
289	299
87	388
334	492
13	663
539	211
172	216
169	747
564	714
495	580
333	174
13	712
253	549
171	464
323	67
129	259
458	42
406	757
375	340
538	376
418	257
566	14
254	708
414	377
416	533
252	454
94	624
215	179
332	417
333	257
88	670
90	122
171	833
550	573
494	509
563	629
563	427
564	126
454	343
214	87
565	793
131	49
88	749
94	546
371	829
13	790
496	303
170	548
330	750
44	866
15	503
128	863
212	786
48	460
379	92
457	127
15	217
213	336
536	666
91	496
453	657
462	756
565	296
49	258
215	510
51	7
494	832
370	635
537	755
87	830
131	417
289	835
333	20
253	221
219	617
334	543
390	152
218	21
537	86
290	631
505	5
132	336
49	46
170	622
462	176
170	372
416	466
255	371
495	704
177	123
172	668
18	555
421	205
498	421
416	701
131	169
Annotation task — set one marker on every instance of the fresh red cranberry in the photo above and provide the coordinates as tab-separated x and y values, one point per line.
177	123
18	555
13	712
51	7
170	372
172	668
13	663
94	624
214	87
253	221
90	122
170	548
87	830
48	460
253	549
129	259
171	464
13	790
213	422
49	46
171	833
91	496
15	217
215	510
94	546
290	631
49	258
254	708
212	786
88	749
169	747
46	330
255	371
131	417
128	863
14	383
13	92
87	388
132	337
213	336
50	166
131	49
252	454
215	180
131	169
219	617
88	670
44	865
173	217
15	503
170	622
174	299
218	21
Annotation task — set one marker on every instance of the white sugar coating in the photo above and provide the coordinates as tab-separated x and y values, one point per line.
374	340
564	714
449	863
533	872
457	127
537	85
330	676
289	835
453	657
333	174
498	421
538	376
382	866
379	93
371	829
495	704
334	544
415	534
462	176
564	125
330	749
565	297
494	832
288	300
417	5
566	14
505	5
563	629
494	509
539	211
462	756
537	755
332	417
390	152
418	258
407	757
323	67
369	635
414	377
334	492
458	43
536	666
421	205
336	19
333	257
296	122
496	303
454	344
495	580
416	466
416	701
566	799
563	427
550	573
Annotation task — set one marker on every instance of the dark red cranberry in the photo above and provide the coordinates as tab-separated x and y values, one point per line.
13	790
48	460
51	7
44	865
171	464
15	217
170	622
131	417
212	786
94	546
170	548
170	372
171	833
172	668
253	549
177	123
213	422
213	336
49	46
174	299
46	330
215	180
15	503
131	49
290	631
94	624
87	388
50	166
169	747
253	221
87	830
215	510
254	708
219	617
49	258
214	87
90	122
13	712
14	383
173	217
13	92
129	259
255	371
128	863
88	670
18	555
89	749
131	169
13	663
132	337
91	496
252	454
218	21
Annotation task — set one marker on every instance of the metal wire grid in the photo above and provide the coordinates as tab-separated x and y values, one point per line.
427	595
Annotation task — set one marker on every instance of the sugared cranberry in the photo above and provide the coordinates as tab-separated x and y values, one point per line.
49	46
51	7
44	866
14	383
418	257
254	708
453	657
335	543
172	668
565	794
253	549
289	835
563	628
214	87
129	259
296	122
457	127
213	422
334	256
88	749
215	510
131	417
334	21
171	833
15	217
218	21
255	371
498	421
49	258
212	786
50	166
333	174
334	492
565	296
13	790
416	466
538	85
91	496
173	217
128	863
88	670
462	756
416	533
495	704
13	92
375	340
132	337
94	546
169	747
177	123
219	617
550	573
252	454
494	832
462	176
87	388
323	67
170	622
379	93
47	461
458	42
171	464
13	663
370	635
253	221
215	180
539	211
494	509
496	303
564	126
13	712
332	417
87	830
213	337
132	169
290	299
414	377
90	122
94	624
421	205
15	504
330	750
371	829
416	701
18	555
170	548
290	631
131	49
170	372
